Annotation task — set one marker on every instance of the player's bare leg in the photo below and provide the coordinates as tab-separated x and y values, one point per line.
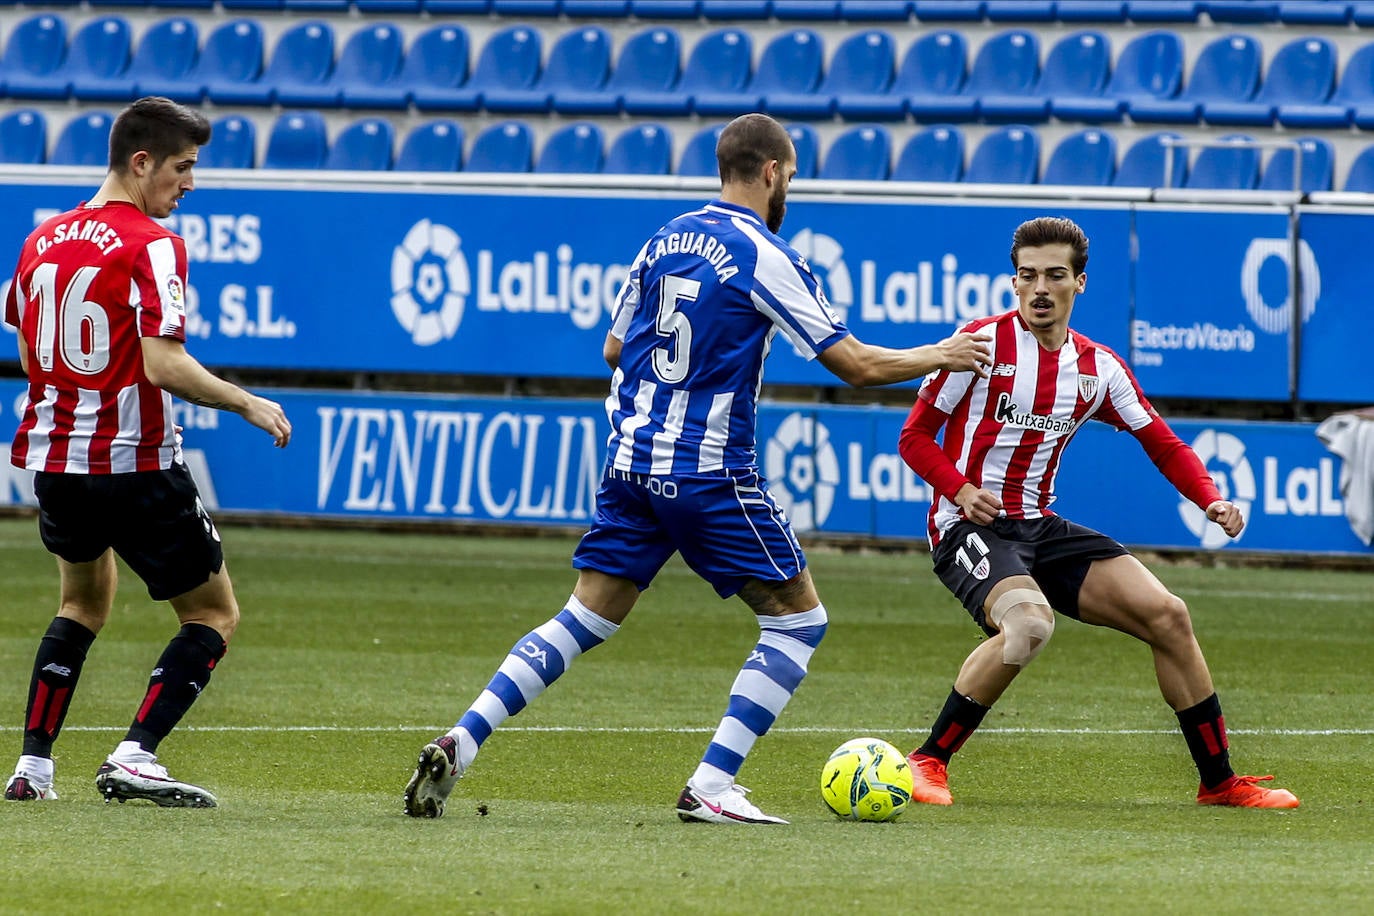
1024	623
1122	594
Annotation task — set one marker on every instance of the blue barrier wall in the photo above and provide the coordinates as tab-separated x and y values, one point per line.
835	469
518	283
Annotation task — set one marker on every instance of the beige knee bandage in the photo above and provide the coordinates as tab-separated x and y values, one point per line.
1024	632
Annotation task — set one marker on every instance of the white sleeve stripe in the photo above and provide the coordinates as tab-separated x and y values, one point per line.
628	297
780	282
163	258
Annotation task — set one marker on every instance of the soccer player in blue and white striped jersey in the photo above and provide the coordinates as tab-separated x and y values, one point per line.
689	334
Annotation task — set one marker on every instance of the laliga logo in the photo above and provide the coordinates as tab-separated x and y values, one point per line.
1278	319
801	464
826	257
429	282
1236	483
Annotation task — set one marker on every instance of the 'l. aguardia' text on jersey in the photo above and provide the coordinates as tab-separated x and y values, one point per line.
704	297
90	283
1006	433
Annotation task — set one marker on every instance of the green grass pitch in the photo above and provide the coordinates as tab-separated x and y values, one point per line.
356	647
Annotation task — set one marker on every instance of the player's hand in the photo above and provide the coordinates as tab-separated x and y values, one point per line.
1228	516
965	352
268	415
980	506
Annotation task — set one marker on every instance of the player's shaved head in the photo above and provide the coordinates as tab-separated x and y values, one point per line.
747	144
158	126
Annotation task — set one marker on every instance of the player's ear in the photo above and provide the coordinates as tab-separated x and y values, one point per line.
140	163
1082	281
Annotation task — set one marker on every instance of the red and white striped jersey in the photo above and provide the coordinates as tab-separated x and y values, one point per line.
1007	432
90	283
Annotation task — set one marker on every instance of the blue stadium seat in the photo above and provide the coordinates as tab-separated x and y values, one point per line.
790	63
949	10
23	137
1361	174
1318	167
251	4
298	140
1144	164
436	64
370	63
301	65
805	9
807	145
862	65
1150	67
1005	74
604	9
232	55
1019	11
1109	11
1008	155
316	6
1242	11
577	148
645	149
1234	167
928	81
699	155
675	9
1227	70
1077	68
525	7
875	10
84	140
34	54
99	53
435	146
233	142
363	146
934	153
579	61
507	146
719	64
862	153
1163	10
1352	101
457	7
167	51
1314	12
407	7
1302	72
1086	157
649	63
508	60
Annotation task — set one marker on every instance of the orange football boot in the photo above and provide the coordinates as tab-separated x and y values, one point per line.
929	780
1242	792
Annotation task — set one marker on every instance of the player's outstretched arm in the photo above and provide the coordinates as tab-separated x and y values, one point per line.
863	365
171	368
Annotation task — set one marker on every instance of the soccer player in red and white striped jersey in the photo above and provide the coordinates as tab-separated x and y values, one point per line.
1012	562
99	304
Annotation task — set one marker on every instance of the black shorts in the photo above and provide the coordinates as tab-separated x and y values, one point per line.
154	520
970	559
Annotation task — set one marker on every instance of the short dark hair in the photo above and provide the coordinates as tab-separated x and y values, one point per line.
1051	230
747	144
158	125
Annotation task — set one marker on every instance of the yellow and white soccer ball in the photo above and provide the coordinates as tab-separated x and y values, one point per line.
866	779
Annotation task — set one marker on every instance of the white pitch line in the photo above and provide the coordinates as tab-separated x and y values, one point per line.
692	730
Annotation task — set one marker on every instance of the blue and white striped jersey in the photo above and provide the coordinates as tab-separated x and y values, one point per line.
696	316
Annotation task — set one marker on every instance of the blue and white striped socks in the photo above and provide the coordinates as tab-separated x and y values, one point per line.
767	681
537	660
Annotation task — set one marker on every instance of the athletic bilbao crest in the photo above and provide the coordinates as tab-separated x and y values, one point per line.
1087	387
